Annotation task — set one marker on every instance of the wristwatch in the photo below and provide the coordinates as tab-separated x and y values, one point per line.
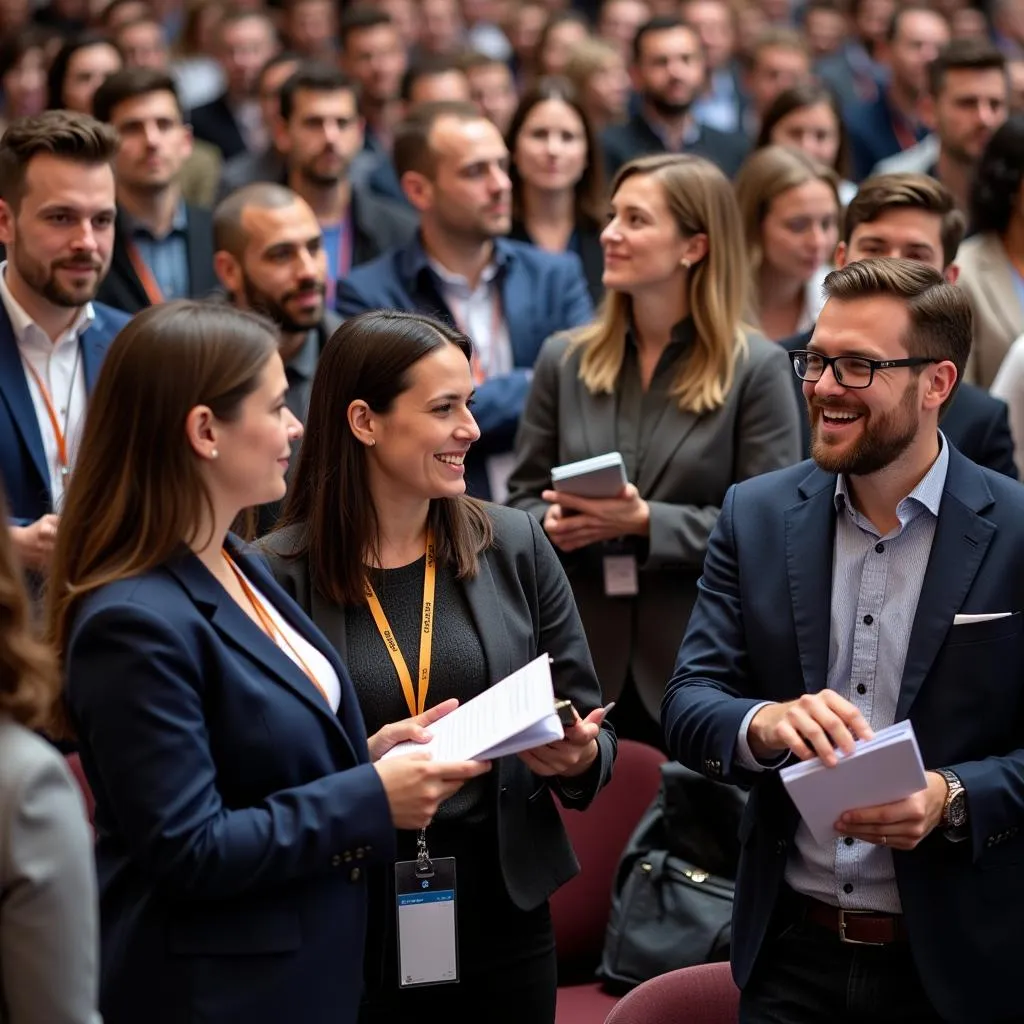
954	812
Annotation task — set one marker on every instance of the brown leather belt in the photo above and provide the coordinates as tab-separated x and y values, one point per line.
859	928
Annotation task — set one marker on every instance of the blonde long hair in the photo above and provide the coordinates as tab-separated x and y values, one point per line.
701	200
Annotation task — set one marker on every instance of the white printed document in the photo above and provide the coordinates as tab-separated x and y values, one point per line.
879	771
513	715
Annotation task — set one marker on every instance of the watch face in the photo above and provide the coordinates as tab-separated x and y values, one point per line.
958	810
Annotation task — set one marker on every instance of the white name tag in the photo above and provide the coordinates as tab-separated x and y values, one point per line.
620	576
428	951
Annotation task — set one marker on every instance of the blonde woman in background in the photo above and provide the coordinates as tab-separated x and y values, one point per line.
667	376
599	75
790	207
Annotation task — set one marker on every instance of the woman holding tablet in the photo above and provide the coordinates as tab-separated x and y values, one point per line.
667	376
379	540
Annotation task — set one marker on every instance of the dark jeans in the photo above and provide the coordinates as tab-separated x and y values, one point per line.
805	975
507	966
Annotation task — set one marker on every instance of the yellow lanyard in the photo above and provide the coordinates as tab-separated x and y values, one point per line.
417	702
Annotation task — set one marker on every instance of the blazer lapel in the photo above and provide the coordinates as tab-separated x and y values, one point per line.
671	430
95	343
122	267
14	389
962	537
485	607
597	417
810	532
330	620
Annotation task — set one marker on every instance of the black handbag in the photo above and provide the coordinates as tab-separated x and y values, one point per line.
672	904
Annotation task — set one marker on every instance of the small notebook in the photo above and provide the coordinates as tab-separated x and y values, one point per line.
879	771
602	476
513	715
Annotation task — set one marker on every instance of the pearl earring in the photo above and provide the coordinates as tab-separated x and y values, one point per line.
685	264
372	442
214	454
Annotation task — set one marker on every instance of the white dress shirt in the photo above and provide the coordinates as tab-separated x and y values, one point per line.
59	366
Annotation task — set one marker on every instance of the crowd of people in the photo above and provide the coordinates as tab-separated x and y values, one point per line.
300	306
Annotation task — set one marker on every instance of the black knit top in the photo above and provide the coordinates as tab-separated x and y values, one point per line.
457	665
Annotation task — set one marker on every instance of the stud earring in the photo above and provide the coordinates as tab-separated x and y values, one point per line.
685	264
214	454
372	442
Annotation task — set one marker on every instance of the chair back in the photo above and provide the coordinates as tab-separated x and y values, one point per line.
705	994
580	908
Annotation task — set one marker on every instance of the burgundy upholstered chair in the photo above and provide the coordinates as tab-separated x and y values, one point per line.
704	994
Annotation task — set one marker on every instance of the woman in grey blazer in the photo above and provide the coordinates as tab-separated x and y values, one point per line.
49	958
666	376
382	548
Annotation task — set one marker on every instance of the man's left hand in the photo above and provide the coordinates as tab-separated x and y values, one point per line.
903	824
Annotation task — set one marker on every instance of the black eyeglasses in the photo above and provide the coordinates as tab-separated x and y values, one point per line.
849	371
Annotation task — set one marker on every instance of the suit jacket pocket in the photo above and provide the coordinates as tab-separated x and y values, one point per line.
226	931
984	632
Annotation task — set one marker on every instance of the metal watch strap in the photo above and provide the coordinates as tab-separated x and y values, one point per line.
956	787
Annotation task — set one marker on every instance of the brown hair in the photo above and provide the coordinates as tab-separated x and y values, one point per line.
801	97
229	234
700	199
941	324
922	192
963	55
61	133
369	358
590	189
411	150
777	37
130	84
29	681
137	495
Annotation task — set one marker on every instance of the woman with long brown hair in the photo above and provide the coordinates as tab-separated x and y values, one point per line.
380	485
238	799
49	956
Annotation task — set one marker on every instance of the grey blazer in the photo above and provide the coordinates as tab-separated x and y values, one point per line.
690	463
49	938
522	607
987	277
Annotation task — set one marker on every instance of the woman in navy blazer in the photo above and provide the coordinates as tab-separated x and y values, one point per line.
237	799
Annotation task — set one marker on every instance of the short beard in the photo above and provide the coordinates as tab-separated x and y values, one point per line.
43	281
261	302
881	444
667	108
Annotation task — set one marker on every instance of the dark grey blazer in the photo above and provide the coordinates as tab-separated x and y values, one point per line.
522	606
690	464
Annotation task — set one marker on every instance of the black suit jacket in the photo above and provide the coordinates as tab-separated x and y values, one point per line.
522	605
122	288
590	252
378	224
215	123
975	422
624	142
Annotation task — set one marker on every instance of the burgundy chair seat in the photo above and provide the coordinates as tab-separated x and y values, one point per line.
583	1004
705	994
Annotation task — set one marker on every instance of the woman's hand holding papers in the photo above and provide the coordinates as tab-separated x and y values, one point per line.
571	756
596	519
408	729
901	824
813	725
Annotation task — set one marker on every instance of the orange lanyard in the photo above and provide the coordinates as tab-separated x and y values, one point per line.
479	373
417	702
270	627
145	276
51	413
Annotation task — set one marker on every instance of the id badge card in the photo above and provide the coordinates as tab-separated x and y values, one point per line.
620	576
428	950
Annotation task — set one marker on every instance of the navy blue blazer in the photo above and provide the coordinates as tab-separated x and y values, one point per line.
976	423
871	134
26	477
235	812
542	293
760	631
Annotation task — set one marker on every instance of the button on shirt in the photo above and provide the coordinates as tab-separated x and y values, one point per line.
876	585
59	366
478	314
166	257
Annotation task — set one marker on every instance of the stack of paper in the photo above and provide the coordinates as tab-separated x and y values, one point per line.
879	771
513	715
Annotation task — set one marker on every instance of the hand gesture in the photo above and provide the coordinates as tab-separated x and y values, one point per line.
596	519
414	729
810	726
416	786
571	756
34	543
901	824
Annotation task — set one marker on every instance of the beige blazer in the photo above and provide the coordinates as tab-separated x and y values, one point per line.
49	937
988	278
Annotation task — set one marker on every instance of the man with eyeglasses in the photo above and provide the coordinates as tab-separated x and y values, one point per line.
884	583
913	216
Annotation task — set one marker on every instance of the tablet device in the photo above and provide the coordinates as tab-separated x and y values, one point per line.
602	476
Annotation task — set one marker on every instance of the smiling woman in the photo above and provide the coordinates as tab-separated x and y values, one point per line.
379	539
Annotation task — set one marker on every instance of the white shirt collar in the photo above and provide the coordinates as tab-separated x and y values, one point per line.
23	324
452	280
